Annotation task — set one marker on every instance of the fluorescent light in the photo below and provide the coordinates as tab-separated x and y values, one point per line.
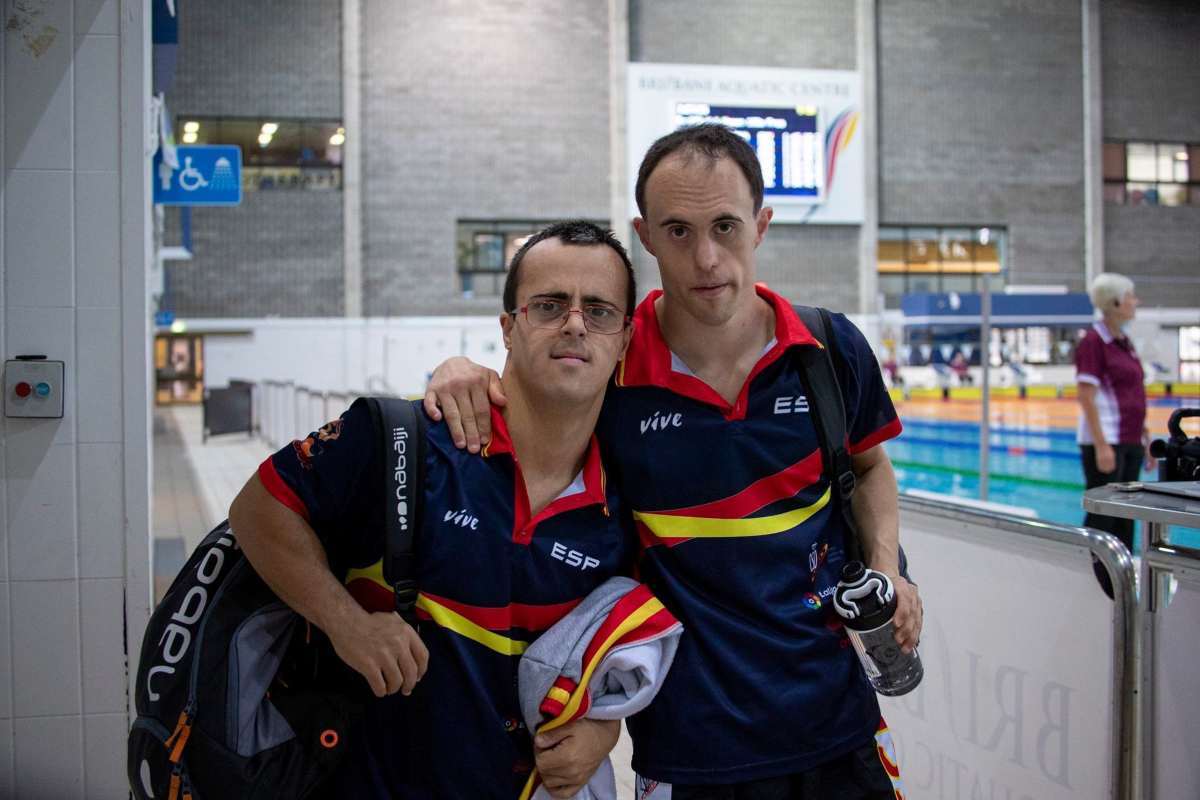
1181	155
269	128
264	138
178	326
191	126
338	139
189	137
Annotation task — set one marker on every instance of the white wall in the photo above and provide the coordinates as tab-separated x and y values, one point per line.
74	506
375	355
392	355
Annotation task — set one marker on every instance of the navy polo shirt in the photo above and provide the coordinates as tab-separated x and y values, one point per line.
742	543
492	577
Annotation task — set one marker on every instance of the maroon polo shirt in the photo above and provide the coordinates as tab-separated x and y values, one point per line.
1110	364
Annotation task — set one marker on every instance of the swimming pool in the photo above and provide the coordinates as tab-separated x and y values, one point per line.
1035	468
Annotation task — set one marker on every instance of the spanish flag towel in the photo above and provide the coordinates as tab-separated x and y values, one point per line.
604	660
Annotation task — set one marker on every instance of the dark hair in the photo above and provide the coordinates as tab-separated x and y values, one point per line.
576	231
711	140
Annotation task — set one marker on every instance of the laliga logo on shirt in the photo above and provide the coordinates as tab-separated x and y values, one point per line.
660	422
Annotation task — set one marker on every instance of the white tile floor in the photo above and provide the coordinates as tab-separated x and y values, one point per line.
194	483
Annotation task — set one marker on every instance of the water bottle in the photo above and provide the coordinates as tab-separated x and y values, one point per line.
866	601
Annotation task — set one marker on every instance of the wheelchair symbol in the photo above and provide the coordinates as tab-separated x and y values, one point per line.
190	178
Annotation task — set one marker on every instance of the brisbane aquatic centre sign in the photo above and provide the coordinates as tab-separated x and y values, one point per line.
803	124
207	175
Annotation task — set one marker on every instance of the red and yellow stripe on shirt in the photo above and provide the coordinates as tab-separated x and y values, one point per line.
729	517
485	625
636	617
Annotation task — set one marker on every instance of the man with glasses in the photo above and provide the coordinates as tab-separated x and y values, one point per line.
511	540
718	459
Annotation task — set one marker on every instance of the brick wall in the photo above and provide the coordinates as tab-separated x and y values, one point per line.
1151	84
981	123
492	110
279	252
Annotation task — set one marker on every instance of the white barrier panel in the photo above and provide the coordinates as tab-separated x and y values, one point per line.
1018	649
1176	703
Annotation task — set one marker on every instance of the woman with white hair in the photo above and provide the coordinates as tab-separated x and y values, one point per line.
1112	432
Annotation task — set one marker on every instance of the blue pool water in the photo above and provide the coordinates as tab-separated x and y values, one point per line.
1036	469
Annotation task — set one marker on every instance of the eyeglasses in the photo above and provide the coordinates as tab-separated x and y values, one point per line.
550	312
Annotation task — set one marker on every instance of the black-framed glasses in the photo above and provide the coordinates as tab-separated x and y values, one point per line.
551	312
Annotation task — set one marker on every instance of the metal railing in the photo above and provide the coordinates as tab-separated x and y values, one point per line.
283	410
1170	644
986	527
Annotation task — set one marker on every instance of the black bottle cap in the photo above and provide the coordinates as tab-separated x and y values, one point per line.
853	571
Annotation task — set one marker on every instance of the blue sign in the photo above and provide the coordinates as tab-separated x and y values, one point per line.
1008	310
208	175
163	319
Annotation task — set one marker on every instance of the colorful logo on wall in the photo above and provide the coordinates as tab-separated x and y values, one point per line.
837	138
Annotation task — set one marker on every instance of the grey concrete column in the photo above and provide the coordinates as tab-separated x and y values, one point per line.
352	218
618	60
868	233
1093	143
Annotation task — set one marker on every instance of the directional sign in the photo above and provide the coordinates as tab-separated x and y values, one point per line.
208	175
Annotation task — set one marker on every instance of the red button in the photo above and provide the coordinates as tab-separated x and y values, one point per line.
23	389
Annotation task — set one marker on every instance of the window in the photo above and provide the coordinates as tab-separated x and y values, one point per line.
936	259
1151	173
1189	354
485	248
276	153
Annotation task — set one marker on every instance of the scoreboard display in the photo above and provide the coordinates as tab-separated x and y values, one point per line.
789	142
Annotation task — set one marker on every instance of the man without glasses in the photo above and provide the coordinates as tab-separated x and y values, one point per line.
717	457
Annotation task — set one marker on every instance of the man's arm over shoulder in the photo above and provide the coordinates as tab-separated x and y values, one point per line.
462	392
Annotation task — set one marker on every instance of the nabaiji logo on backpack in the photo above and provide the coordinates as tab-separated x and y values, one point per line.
177	638
236	696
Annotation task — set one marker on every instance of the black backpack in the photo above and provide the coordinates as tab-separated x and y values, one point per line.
237	695
829	418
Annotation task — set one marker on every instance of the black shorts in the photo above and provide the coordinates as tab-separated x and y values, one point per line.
860	774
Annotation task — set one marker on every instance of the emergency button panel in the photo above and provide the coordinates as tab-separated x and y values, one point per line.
33	387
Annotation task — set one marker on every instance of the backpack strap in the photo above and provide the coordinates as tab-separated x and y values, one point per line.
402	430
829	417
